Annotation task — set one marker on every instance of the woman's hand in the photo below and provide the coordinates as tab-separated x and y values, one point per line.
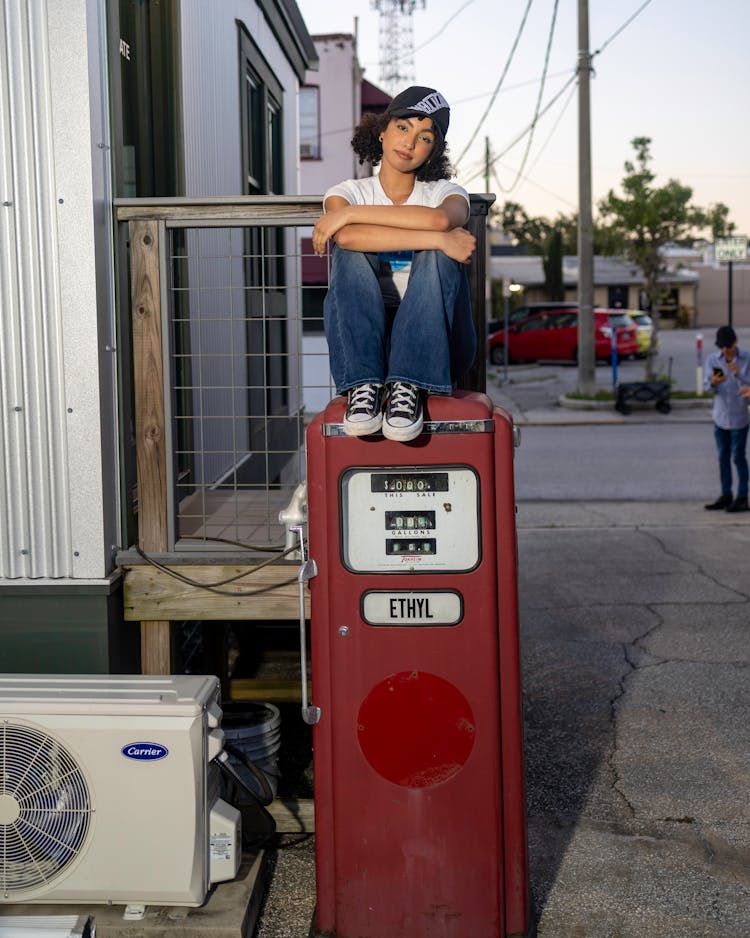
326	227
745	391
458	244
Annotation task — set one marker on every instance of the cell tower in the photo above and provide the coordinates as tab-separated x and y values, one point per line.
396	43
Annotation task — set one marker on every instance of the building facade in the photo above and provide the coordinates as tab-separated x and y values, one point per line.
100	100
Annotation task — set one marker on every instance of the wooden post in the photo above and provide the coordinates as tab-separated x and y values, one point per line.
151	454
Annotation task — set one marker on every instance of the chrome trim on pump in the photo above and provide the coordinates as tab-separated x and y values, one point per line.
430	426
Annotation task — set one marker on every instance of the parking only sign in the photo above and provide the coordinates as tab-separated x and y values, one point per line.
730	249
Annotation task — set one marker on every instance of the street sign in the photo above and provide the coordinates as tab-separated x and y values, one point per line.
730	249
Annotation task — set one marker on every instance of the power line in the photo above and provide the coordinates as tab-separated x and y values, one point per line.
444	26
539	96
497	87
617	32
520	84
536	185
531	126
527	178
523	133
552	131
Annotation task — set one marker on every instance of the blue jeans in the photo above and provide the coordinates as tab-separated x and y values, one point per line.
430	340
732	446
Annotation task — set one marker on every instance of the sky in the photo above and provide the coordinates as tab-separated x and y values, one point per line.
678	73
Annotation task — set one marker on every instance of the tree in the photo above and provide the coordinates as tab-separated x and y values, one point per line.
645	218
552	264
717	218
541	237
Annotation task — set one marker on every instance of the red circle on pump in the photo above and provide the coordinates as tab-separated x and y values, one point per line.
416	729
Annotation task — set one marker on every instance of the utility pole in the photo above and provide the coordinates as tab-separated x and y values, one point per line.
586	353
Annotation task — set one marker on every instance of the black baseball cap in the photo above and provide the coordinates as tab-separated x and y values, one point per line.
725	337
422	102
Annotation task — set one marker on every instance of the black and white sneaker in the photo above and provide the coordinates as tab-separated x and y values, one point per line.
364	415
403	413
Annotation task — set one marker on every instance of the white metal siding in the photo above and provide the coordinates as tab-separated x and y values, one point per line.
50	456
210	62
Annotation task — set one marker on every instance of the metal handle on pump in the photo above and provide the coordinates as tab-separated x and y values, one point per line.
308	569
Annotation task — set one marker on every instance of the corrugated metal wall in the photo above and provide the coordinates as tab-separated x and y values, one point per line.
33	474
46	310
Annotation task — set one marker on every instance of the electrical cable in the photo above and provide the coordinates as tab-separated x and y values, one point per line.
444	26
521	84
254	813
527	178
601	48
617	32
223	540
523	133
214	587
539	96
555	195
266	795
499	84
551	134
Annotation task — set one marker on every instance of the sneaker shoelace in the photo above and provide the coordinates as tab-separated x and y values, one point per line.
363	398
403	401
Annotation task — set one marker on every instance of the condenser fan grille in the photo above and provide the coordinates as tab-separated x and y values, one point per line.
45	807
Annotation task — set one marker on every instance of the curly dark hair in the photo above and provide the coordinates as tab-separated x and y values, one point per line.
367	146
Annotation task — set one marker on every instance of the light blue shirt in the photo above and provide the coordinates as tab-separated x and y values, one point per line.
730	410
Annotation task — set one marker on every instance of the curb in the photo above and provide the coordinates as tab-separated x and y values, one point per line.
573	403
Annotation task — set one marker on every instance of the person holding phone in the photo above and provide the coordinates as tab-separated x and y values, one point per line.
727	374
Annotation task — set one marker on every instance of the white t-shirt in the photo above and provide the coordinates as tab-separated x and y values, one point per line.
368	191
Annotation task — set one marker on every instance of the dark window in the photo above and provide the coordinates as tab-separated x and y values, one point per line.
145	97
566	320
617	297
262	96
263	174
535	324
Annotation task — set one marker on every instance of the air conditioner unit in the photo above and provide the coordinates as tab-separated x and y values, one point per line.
307	150
107	791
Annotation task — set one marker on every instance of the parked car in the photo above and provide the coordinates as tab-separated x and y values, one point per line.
644	325
523	312
553	334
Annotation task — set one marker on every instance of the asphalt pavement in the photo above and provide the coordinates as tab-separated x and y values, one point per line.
635	620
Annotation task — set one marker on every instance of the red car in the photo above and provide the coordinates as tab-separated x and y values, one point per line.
553	334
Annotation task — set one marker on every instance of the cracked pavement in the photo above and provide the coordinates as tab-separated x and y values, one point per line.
635	622
635	626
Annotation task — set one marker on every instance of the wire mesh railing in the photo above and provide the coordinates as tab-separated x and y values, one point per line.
246	374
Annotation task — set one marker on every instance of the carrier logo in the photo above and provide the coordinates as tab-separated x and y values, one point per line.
145	752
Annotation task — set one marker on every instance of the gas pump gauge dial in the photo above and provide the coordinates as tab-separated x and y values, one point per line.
420	519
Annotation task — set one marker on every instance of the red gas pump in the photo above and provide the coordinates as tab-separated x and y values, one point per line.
418	756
